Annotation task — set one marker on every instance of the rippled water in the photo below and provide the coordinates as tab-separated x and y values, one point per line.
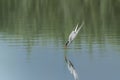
33	34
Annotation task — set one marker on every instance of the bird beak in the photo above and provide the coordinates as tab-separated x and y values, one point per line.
66	44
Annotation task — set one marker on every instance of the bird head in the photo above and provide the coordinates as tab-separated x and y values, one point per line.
66	43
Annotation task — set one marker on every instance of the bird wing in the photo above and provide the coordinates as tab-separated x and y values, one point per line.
80	27
76	28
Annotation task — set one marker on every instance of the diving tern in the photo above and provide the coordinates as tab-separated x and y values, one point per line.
73	34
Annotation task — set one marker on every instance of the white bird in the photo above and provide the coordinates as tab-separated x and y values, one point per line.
71	68
73	34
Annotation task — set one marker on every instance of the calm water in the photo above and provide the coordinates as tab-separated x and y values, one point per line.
33	34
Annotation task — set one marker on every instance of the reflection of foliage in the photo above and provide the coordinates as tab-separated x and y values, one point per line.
30	18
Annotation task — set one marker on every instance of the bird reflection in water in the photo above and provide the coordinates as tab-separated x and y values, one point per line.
71	68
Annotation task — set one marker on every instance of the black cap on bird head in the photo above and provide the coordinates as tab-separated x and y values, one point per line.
66	44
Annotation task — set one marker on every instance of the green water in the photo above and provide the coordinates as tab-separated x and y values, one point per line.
33	34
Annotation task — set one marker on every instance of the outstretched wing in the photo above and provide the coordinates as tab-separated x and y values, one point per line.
80	27
76	28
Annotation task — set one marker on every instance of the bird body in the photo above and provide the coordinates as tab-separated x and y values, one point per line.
73	34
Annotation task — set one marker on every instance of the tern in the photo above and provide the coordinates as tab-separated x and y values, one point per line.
73	34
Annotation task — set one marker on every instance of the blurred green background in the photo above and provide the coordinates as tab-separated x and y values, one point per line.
27	19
